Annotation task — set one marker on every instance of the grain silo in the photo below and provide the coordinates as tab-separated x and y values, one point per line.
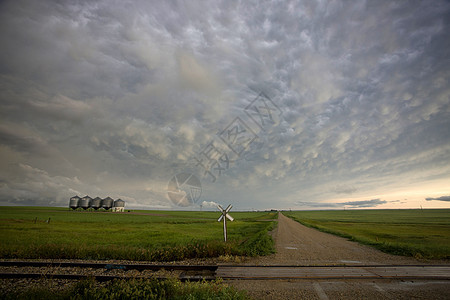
119	205
85	202
96	203
74	202
107	203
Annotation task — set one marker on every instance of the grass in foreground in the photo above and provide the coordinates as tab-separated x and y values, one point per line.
133	289
145	235
417	233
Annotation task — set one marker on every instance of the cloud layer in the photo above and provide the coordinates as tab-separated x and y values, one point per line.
350	204
115	98
442	198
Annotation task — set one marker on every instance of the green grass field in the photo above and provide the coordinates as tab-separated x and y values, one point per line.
140	235
418	233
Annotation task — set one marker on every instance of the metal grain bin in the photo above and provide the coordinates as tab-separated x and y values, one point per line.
74	202
85	202
119	203
107	203
96	203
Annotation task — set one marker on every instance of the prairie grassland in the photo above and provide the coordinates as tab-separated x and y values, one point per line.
141	235
417	233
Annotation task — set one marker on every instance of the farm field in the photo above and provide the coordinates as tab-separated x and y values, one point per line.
417	233
47	232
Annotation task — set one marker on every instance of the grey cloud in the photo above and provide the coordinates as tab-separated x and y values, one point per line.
352	204
317	204
37	187
344	189
365	203
63	108
22	140
442	198
126	93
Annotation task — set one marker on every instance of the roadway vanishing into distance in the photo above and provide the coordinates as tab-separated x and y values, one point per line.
308	264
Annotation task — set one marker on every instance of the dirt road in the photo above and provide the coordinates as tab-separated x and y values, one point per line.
297	244
302	246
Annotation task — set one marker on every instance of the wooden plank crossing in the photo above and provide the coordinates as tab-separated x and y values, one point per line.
337	272
415	271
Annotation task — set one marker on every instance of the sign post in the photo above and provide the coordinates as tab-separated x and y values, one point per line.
224	217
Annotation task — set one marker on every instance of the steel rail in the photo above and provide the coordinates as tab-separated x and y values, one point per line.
334	266
300	278
127	266
100	278
245	272
109	266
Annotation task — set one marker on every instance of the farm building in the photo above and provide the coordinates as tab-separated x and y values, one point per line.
87	202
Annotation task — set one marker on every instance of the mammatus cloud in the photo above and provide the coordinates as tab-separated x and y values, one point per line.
442	198
115	98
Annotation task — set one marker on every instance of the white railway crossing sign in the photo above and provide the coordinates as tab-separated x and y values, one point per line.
224	217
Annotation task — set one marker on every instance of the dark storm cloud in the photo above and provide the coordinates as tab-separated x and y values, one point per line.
22	141
116	97
442	198
366	203
351	204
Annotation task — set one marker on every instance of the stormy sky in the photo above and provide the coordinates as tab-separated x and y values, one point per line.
270	104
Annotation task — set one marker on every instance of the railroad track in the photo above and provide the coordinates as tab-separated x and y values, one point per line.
183	272
229	272
400	272
107	266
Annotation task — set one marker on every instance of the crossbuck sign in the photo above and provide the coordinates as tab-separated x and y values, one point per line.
224	217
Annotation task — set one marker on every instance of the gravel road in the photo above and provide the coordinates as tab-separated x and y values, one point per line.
299	245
